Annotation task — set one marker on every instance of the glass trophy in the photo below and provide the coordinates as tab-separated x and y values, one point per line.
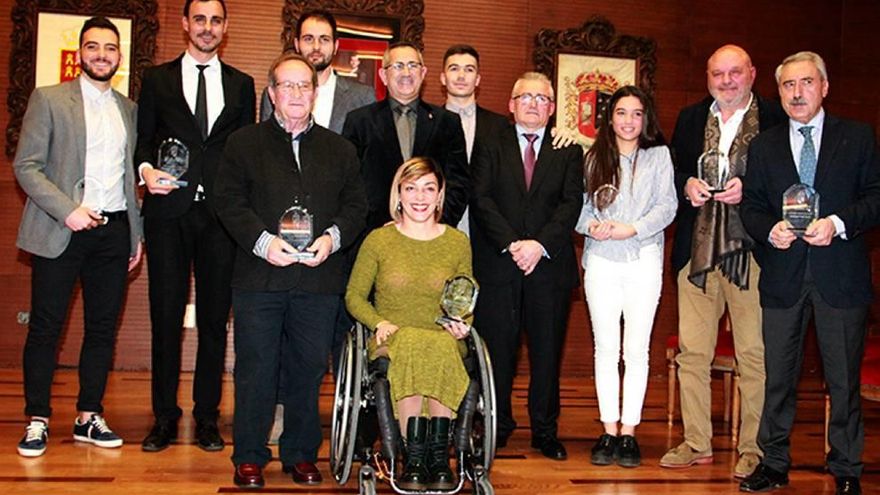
605	206
712	168
800	208
458	299
296	227
90	192
173	159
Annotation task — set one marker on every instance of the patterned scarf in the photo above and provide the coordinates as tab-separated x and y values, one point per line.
720	239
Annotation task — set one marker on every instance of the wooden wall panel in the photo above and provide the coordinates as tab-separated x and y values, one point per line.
686	31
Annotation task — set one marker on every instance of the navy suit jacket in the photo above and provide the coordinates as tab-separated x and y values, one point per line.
848	183
438	136
503	211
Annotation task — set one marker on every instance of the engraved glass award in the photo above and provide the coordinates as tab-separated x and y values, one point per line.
91	193
800	208
712	168
605	205
173	159
458	299
296	227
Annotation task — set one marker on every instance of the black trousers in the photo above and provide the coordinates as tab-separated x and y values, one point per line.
195	241
542	311
99	259
297	326
840	333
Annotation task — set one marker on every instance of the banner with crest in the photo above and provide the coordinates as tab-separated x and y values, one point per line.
584	84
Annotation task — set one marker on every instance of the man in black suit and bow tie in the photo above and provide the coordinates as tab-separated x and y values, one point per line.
197	100
461	77
526	200
337	95
402	126
825	270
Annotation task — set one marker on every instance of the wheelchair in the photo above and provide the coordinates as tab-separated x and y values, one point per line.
362	411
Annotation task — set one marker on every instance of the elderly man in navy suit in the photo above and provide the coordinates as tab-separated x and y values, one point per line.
826	269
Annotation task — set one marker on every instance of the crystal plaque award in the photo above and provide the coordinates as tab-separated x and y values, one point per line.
605	206
712	168
90	192
173	159
296	227
800	208
458	299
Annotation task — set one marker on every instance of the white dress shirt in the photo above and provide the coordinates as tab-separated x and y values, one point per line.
324	102
213	86
728	129
105	150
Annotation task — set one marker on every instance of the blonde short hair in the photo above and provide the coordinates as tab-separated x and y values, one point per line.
414	169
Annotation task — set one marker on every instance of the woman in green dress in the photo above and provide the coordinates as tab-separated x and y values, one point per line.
405	265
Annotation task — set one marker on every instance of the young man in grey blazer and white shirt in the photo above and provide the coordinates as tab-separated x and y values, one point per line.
81	221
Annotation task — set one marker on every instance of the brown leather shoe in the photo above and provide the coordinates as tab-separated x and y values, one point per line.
304	473
248	476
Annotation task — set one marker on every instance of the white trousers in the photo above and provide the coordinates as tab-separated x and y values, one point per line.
631	288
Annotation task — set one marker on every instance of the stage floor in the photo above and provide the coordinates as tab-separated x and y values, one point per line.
73	468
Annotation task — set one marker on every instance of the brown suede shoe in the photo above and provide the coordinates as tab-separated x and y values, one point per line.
684	456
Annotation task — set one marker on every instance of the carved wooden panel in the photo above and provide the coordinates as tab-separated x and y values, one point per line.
596	36
145	24
409	14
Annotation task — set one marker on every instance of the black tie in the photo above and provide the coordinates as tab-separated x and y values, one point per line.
202	102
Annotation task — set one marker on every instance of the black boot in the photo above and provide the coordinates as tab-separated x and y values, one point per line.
415	472
438	455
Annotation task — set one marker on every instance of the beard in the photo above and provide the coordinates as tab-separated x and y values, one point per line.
90	71
321	64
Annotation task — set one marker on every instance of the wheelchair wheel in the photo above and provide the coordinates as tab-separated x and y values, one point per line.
482	486
347	405
485	450
367	481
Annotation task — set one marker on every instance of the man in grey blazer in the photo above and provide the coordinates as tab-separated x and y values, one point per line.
316	40
81	220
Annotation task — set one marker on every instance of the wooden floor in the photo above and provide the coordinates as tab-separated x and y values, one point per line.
71	468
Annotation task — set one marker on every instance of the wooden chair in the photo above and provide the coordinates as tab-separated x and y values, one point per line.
725	362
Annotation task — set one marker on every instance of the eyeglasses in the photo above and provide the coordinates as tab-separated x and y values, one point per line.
398	66
286	87
528	98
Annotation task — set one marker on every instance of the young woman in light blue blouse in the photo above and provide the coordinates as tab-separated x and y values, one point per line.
623	260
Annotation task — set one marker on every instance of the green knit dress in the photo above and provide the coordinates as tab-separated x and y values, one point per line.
408	275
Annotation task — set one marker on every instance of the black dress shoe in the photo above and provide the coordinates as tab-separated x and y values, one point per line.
764	479
848	485
628	453
550	448
160	436
304	473
501	440
248	476
605	450
208	436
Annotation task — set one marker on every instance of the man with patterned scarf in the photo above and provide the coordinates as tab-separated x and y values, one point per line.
712	256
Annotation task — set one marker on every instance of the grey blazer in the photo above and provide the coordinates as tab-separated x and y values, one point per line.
51	160
348	96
